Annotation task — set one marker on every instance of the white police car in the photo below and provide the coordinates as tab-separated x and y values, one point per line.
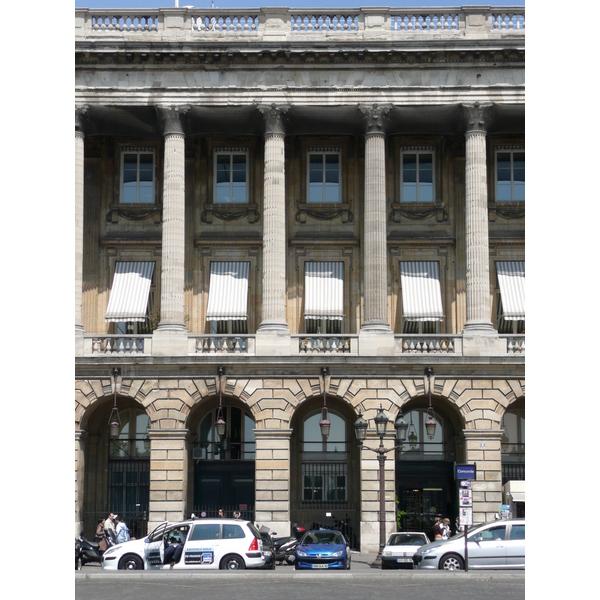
194	544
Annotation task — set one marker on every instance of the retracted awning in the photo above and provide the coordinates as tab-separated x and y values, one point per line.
421	292
324	290
228	291
128	299
511	279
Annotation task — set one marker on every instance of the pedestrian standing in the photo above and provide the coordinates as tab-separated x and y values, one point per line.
109	529
446	529
438	531
100	539
221	513
121	530
236	514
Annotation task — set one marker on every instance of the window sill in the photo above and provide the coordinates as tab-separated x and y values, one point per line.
134	212
418	211
324	211
229	212
507	210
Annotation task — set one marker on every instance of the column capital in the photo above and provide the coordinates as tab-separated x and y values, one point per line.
477	116
273	117
169	119
80	119
375	117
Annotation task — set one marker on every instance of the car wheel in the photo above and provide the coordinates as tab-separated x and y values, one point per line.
233	563
131	562
452	562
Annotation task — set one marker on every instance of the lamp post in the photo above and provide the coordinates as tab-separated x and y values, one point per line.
360	428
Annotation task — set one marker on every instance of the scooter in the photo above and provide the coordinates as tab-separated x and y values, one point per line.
285	547
86	552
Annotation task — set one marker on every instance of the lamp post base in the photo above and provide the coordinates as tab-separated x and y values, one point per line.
376	564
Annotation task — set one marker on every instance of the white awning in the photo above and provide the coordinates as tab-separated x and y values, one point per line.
228	291
511	279
514	491
421	292
128	299
324	290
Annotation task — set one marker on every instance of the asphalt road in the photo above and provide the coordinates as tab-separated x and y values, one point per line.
361	583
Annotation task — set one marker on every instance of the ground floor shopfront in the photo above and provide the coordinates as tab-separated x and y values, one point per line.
272	463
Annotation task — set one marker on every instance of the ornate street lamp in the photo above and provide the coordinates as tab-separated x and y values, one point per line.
114	420
430	423
324	423
360	428
220	424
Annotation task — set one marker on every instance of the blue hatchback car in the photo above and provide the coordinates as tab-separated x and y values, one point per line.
322	549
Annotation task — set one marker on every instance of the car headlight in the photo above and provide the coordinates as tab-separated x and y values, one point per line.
109	551
301	553
428	550
387	553
338	553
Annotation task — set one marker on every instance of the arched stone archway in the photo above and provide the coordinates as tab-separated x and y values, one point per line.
325	485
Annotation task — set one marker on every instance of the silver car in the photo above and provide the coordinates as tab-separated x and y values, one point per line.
400	547
496	545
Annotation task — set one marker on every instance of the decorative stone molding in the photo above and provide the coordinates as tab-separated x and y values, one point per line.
375	117
273	117
477	116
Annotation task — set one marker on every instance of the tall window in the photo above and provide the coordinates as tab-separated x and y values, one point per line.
324	177
324	464
231	178
510	175
238	442
416	176
418	445
137	177
513	445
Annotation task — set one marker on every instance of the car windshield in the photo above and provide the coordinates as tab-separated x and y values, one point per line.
406	540
322	537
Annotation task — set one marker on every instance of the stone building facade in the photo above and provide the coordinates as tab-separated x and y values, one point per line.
287	192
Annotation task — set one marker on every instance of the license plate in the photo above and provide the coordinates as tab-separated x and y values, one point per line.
320	566
404	560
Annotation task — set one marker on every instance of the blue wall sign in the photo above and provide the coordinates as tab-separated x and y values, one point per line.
465	471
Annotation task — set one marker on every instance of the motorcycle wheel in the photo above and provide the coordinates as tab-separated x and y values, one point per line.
78	564
290	560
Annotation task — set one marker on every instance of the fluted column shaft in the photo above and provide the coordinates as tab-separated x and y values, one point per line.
79	175
173	226
274	251
375	229
476	223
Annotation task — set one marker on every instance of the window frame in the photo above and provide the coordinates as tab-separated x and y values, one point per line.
231	152
418	150
137	150
512	150
324	151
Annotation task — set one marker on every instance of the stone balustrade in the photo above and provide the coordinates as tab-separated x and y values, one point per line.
224	344
429	344
515	344
327	344
117	344
284	24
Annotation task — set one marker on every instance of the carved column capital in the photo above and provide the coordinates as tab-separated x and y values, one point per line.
273	117
375	117
477	116
169	119
80	119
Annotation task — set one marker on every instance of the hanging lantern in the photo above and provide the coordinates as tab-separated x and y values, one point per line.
400	426
430	423
381	422
324	423
114	421
220	424
360	428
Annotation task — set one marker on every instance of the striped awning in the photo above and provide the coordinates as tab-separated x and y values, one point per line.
228	291
128	299
421	292
511	279
324	290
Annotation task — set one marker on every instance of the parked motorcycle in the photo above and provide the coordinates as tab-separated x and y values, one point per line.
285	547
86	552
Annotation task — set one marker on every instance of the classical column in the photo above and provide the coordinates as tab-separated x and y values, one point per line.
79	176
375	230
272	479
476	221
273	333
168	475
483	448
171	335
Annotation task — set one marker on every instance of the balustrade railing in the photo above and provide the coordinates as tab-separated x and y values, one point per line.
262	23
119	344
515	344
326	344
223	344
430	344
